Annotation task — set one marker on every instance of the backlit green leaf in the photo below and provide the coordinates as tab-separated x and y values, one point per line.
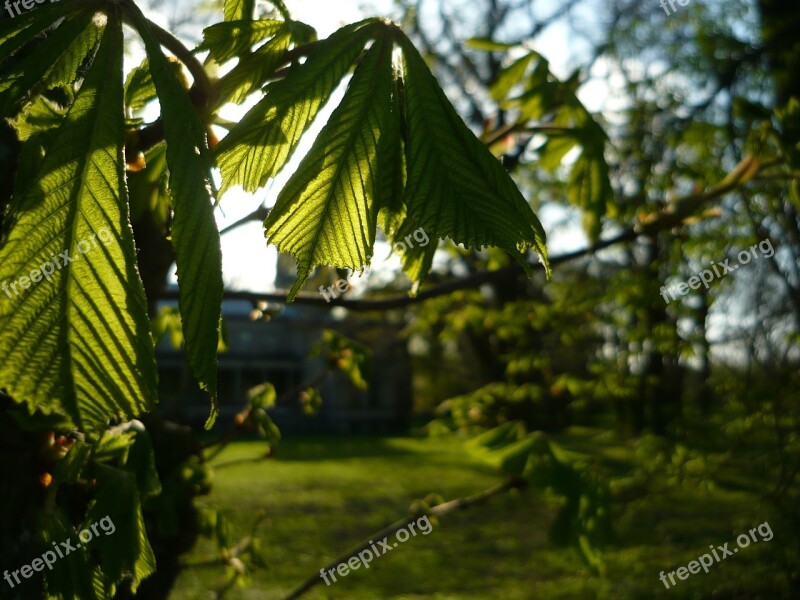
76	340
29	72
392	166
263	141
228	40
511	76
122	542
488	45
139	88
236	10
39	116
326	213
15	32
590	189
254	69
67	68
456	189
195	236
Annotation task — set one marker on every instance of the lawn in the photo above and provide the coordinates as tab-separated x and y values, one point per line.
323	496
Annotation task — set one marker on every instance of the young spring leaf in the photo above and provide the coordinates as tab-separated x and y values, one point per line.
30	71
261	144
392	165
15	32
254	69
546	98
195	236
233	39
127	550
70	577
236	10
590	188
139	88
77	340
66	69
327	212
456	189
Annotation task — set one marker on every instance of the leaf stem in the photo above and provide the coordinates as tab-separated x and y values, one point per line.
202	81
205	89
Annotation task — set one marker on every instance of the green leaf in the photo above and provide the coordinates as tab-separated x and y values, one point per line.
456	189
122	544
311	400
353	358
139	88
590	189
77	341
15	32
235	39
511	76
31	155
232	39
488	45
262	396
103	587
168	322
326	213
266	428
545	97
39	116
254	69
554	150
113	446
195	236
417	260
65	71
541	96
236	10
149	192
70	468
260	145
392	166
70	577
19	80
499	437
141	462
515	459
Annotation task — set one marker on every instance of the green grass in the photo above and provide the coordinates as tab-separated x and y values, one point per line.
323	496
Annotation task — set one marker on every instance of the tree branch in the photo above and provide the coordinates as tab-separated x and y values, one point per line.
439	510
678	211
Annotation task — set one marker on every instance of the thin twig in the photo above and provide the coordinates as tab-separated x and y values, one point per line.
236	432
439	510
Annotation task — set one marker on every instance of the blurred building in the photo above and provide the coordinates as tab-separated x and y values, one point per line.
277	350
